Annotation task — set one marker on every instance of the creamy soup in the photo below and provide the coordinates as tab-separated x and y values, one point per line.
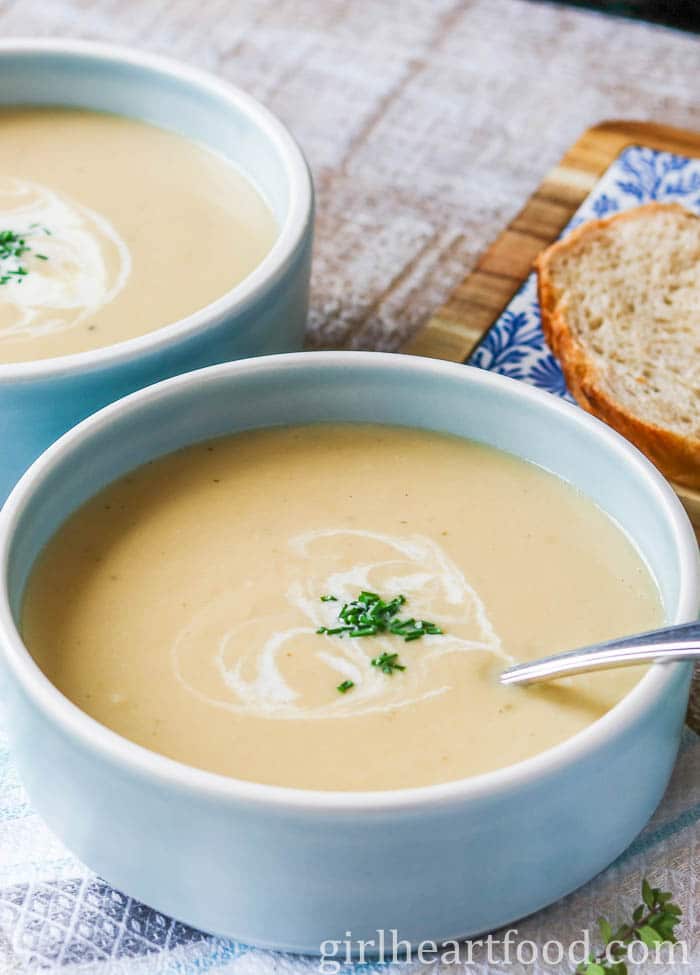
110	228
181	607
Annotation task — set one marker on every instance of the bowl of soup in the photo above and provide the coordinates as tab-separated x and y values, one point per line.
252	620
153	219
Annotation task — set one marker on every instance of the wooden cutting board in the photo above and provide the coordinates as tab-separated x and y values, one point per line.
455	328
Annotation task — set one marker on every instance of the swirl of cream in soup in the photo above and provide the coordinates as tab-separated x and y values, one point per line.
87	262
249	657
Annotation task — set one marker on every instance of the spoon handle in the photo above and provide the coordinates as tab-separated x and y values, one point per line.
662	646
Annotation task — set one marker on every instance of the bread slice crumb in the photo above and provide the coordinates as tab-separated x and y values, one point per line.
620	301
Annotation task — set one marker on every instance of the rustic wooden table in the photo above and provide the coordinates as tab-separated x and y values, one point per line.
427	124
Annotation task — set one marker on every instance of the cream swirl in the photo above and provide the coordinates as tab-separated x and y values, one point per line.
254	663
87	261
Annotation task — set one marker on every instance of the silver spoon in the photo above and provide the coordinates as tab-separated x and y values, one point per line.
656	646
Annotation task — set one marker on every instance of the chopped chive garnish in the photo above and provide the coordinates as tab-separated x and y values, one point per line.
369	615
13	246
345	686
387	663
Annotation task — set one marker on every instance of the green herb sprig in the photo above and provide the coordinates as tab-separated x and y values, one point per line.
13	247
654	922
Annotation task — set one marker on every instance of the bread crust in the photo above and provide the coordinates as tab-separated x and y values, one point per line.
676	456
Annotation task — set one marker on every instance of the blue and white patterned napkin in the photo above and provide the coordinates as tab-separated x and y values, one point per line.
56	916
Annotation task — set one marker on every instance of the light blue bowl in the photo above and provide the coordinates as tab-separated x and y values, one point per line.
265	313
291	868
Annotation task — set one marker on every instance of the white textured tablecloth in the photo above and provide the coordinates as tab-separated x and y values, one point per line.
427	123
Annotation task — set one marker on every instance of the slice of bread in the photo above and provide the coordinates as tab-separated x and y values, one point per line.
620	301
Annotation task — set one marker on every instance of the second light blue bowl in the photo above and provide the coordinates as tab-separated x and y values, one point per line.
265	313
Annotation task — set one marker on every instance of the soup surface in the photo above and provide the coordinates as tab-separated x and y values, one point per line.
111	228
180	607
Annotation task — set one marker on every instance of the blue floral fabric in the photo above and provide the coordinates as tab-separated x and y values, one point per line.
514	345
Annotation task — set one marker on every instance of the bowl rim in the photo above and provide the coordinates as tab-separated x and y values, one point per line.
291	235
146	764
